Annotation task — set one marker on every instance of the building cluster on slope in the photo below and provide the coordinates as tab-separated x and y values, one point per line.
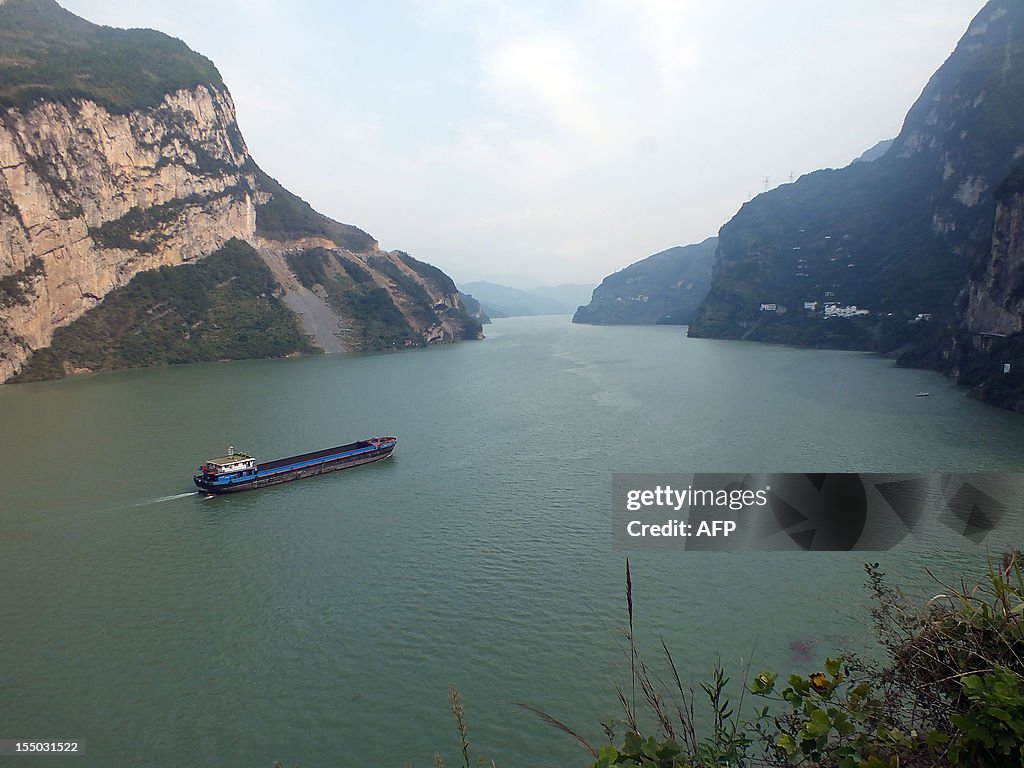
833	309
829	307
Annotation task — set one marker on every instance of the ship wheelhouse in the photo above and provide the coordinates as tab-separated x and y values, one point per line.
235	468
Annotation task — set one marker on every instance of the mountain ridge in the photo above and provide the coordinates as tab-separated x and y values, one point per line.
664	288
106	173
898	236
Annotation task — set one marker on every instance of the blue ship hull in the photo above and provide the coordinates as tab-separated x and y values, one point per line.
296	467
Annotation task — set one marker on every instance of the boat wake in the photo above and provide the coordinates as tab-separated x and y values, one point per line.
150	502
166	498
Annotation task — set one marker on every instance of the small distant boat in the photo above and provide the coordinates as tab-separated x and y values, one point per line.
240	472
922	394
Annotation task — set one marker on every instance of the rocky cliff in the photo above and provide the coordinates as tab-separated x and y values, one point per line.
120	153
994	296
874	255
474	308
665	288
348	293
89	198
987	350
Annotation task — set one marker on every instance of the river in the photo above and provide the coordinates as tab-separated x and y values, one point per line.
321	622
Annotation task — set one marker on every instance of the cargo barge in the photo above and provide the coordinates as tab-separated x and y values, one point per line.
240	472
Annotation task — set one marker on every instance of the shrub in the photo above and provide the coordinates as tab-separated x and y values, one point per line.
950	692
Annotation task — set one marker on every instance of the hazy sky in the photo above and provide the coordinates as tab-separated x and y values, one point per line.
545	141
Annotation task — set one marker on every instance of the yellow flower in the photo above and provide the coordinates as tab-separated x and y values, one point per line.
819	682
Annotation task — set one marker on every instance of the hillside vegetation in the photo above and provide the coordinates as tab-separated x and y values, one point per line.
287	216
896	237
48	53
666	288
221	308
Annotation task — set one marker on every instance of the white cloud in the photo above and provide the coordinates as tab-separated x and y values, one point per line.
544	73
566	138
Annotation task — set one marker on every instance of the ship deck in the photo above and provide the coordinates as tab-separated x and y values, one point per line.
312	456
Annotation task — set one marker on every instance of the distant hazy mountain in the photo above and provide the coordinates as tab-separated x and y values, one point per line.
505	301
571	295
664	288
473	308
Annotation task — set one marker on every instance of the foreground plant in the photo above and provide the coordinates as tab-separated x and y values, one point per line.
950	692
459	715
677	739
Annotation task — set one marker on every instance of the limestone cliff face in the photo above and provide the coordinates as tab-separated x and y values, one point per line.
995	294
890	241
986	352
89	198
120	153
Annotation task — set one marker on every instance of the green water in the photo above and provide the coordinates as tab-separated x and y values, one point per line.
320	622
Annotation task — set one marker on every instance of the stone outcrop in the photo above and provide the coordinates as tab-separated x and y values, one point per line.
895	238
986	352
71	180
109	169
995	294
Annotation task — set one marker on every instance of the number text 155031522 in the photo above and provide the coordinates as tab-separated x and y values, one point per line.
21	747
